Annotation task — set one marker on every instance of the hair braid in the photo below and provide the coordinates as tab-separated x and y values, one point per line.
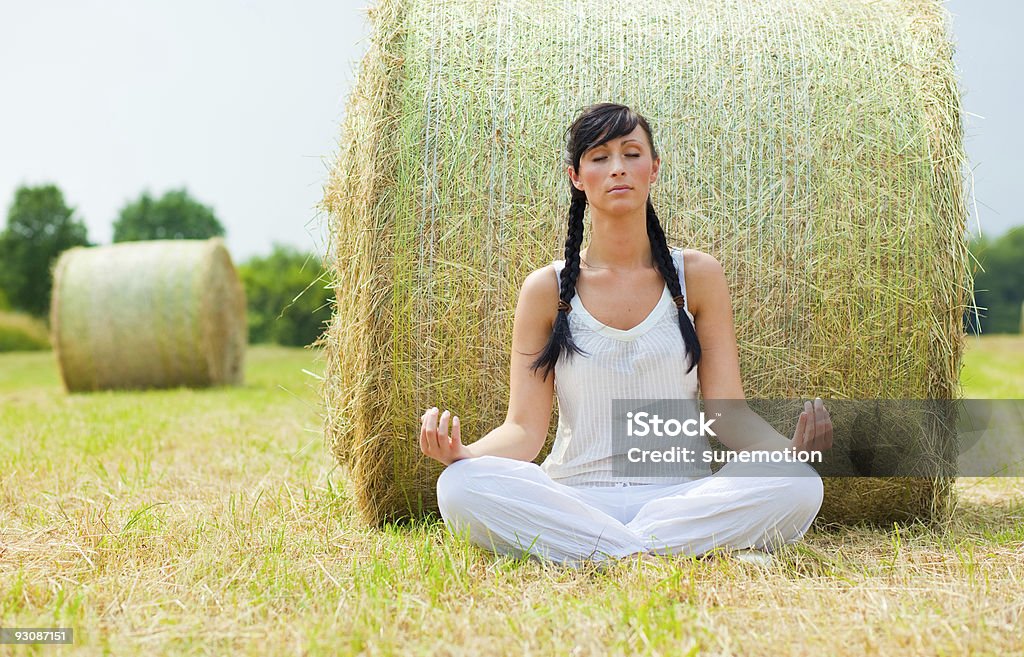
561	336
663	260
594	126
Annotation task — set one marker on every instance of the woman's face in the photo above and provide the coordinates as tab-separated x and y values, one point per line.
621	162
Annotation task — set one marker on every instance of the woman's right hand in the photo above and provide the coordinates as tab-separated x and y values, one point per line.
813	429
435	441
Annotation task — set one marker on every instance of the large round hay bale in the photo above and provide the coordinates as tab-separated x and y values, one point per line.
813	146
155	314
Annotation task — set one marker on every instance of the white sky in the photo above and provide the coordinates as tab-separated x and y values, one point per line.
990	54
240	101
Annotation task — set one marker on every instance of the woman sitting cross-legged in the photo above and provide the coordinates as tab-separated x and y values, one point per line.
613	321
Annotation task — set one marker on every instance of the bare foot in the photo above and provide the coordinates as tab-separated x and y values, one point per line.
754	556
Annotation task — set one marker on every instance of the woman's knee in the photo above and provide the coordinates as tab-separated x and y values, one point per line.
804	488
452	479
795	501
461	480
795	488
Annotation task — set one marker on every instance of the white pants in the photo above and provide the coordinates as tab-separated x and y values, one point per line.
513	507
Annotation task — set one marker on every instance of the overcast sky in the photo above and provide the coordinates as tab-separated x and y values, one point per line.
240	101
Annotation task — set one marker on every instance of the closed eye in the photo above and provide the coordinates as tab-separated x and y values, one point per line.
598	159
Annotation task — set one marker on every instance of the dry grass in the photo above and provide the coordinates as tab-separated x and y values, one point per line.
187	523
814	147
211	522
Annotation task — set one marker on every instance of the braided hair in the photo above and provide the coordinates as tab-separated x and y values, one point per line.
596	125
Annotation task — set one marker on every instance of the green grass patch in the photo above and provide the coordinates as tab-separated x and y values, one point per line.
21	332
993	367
214	521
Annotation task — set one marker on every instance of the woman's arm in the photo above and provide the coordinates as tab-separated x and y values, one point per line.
738	428
525	429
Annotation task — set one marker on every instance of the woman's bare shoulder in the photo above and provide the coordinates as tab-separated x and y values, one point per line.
699	263
539	294
703	272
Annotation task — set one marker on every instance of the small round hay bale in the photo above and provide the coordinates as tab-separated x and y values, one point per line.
813	146
155	314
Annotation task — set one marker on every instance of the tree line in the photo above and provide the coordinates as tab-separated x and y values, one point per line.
287	293
998	283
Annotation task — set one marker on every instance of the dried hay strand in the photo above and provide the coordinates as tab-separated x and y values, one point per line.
813	146
155	314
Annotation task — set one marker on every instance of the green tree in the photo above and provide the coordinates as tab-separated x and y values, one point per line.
40	226
286	297
174	216
1000	287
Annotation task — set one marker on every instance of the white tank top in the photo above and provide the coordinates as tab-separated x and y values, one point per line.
648	361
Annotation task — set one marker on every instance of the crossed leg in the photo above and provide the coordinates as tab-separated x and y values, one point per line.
743	505
514	507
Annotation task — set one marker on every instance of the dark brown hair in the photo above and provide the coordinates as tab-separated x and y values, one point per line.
596	125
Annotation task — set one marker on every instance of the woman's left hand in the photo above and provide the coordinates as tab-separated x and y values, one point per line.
813	429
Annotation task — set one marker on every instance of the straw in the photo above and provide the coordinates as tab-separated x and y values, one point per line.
813	147
156	314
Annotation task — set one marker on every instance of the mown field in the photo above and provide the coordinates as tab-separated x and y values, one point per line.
215	523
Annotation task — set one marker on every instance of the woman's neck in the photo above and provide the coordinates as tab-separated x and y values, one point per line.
619	243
